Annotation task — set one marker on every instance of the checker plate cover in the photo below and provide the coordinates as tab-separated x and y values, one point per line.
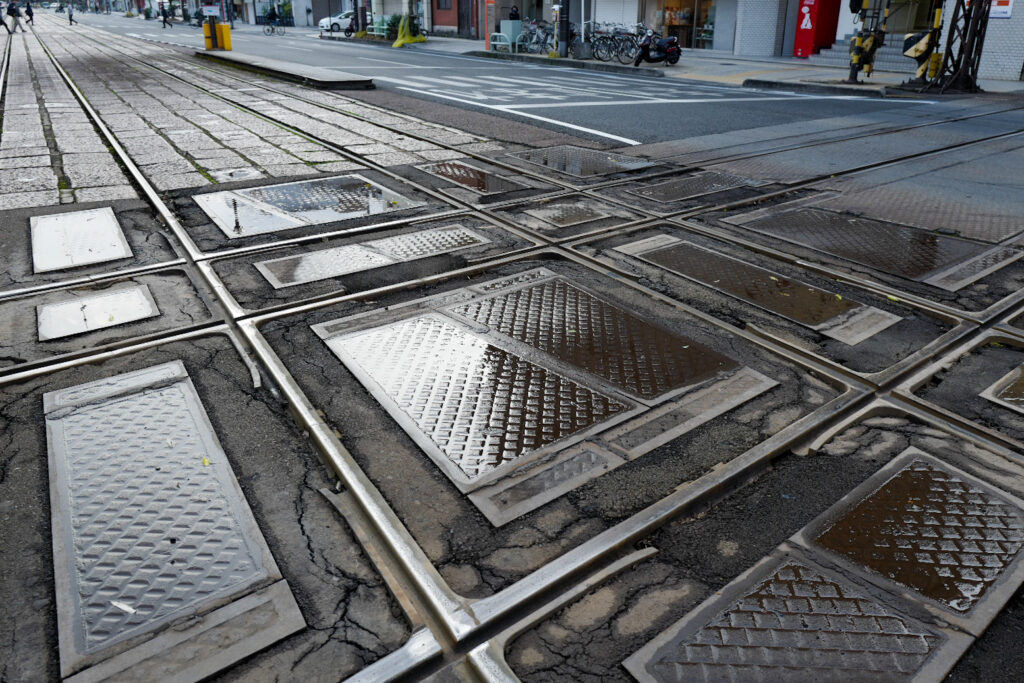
906	252
479	404
585	331
931	531
565	215
679	189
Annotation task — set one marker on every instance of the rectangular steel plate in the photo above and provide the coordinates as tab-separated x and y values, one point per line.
790	619
95	312
149	525
354	258
475	405
510	422
272	208
905	252
963	274
678	189
566	215
591	334
476	179
78	238
581	162
1008	391
924	528
827	312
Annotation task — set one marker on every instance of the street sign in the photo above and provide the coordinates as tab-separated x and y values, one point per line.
211	11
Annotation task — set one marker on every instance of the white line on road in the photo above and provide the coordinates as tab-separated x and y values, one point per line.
606	103
555	122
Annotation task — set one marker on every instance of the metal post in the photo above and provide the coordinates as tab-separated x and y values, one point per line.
563	29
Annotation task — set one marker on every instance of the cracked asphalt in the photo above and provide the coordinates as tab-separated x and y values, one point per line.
469	399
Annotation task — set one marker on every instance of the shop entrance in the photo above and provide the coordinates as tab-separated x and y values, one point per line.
693	22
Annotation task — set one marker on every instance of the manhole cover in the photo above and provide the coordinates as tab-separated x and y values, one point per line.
474	178
95	312
789	621
566	215
582	162
691	186
894	249
932	531
271	208
585	331
78	238
354	258
479	405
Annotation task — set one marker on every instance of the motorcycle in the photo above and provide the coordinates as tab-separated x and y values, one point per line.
653	48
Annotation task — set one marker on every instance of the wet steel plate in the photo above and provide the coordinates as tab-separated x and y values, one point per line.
679	189
78	238
581	162
924	526
479	405
354	258
594	335
844	319
566	215
476	179
149	525
90	312
894	249
788	619
271	208
1008	391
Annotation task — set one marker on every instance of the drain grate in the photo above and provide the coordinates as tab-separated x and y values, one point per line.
479	405
354	258
566	215
588	332
474	178
92	312
793	621
894	249
932	531
78	238
679	189
581	162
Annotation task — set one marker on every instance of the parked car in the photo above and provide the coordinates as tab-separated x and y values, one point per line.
337	22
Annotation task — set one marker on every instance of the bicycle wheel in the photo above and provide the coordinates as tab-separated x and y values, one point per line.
603	48
280	30
627	48
268	30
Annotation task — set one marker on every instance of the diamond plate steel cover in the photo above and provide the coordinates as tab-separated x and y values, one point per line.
790	620
566	215
78	238
353	258
581	162
965	273
470	404
474	178
906	252
679	189
149	524
923	526
583	330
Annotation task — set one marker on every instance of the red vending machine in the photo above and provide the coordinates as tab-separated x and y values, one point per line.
816	24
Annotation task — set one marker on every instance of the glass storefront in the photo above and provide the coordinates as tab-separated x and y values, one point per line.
691	21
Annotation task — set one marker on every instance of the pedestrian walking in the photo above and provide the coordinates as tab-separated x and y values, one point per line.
166	17
71	14
29	14
15	14
4	22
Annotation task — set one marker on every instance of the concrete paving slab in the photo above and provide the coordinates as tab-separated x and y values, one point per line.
69	240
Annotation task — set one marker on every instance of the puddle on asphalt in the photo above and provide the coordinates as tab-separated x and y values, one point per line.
474	178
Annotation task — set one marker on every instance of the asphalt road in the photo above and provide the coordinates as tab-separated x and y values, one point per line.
598	106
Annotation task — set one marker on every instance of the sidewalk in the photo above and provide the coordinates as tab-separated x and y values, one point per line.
729	69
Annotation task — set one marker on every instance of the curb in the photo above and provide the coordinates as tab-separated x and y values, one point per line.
335	81
819	88
570	63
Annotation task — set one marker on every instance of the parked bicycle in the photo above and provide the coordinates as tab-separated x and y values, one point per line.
537	37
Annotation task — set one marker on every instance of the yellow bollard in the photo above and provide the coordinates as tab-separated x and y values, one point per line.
224	36
207	35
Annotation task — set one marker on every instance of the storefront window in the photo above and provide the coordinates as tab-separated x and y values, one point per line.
691	21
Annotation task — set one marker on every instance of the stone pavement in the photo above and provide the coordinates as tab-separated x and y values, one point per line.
300	388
